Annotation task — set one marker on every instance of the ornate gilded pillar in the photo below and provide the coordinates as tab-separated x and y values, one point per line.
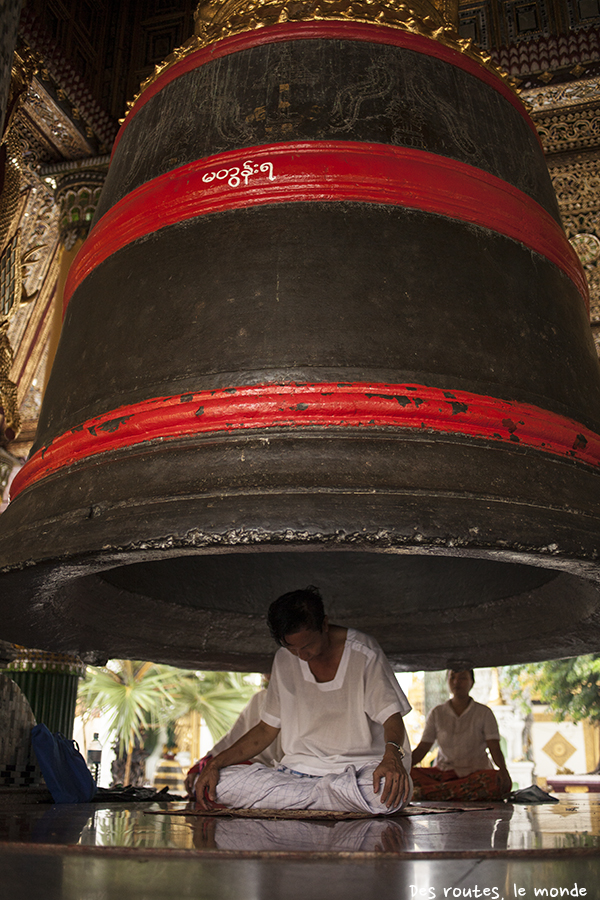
577	186
77	192
11	262
10	12
566	116
48	680
20	67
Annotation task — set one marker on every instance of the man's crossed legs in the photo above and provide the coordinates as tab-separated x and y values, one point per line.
262	787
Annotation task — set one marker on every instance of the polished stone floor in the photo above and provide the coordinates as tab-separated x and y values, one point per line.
138	852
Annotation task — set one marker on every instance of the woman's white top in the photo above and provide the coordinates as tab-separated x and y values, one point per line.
462	739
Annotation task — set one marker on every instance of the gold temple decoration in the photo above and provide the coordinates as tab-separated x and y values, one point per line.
10	187
11	263
27	660
218	19
215	19
25	64
559	749
24	67
8	389
10	278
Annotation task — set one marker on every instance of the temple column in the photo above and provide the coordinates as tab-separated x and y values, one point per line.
50	680
16	71
77	193
9	22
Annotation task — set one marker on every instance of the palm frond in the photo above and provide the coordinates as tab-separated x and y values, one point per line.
137	696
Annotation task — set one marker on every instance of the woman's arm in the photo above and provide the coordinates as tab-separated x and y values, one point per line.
498	757
421	750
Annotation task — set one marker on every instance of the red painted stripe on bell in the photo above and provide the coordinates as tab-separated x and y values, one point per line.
274	406
328	171
333	30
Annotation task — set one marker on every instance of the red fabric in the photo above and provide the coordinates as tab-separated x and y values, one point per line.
198	766
439	784
195	771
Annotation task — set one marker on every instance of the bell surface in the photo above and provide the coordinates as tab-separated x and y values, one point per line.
327	329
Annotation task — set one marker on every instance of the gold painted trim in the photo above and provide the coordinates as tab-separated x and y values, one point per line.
216	20
565	96
8	388
591	740
65	259
36	331
43	661
548	717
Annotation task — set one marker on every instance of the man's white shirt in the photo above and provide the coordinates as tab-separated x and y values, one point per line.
327	726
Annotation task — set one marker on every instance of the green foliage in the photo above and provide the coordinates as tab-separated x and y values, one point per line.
140	696
132	693
218	697
571	687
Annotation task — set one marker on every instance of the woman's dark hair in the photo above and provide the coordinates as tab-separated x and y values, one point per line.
296	611
470	671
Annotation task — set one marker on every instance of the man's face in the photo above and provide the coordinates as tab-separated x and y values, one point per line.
306	644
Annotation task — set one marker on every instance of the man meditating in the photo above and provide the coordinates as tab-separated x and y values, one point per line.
335	700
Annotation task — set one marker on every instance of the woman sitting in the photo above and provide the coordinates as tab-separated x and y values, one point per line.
464	730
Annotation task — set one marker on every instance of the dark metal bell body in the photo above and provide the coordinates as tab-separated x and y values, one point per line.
327	329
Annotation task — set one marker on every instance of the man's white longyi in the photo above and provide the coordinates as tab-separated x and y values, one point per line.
261	787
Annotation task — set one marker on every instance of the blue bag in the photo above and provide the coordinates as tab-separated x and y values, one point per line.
66	775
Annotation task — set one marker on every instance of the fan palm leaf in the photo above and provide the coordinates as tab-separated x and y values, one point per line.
218	697
139	695
133	694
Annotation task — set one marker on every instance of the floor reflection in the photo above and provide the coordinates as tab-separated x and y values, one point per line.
127	827
75	853
571	824
358	835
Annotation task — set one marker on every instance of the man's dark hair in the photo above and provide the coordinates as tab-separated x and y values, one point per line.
296	611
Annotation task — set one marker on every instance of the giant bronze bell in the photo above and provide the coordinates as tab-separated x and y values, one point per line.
326	329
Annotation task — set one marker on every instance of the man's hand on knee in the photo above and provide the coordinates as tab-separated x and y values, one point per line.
396	787
249	745
208	778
